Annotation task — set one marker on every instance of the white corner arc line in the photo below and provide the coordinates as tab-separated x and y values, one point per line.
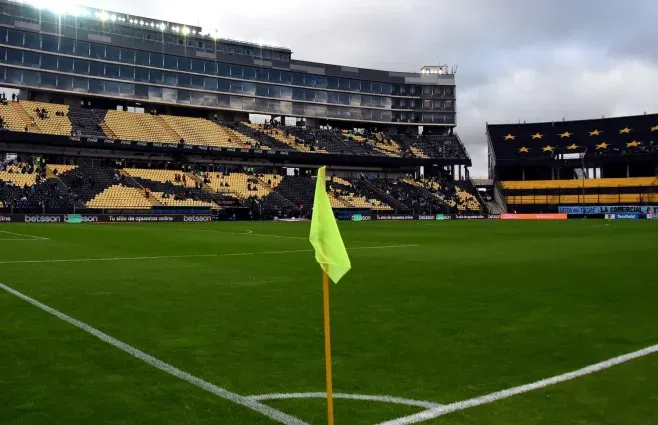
25	235
247	402
489	398
163	257
364	397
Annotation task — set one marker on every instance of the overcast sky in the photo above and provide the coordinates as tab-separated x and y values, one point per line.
518	59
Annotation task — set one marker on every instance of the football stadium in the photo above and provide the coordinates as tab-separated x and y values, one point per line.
174	207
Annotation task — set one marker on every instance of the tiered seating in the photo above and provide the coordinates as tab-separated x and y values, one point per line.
11	119
387	146
14	175
300	190
239	183
161	176
138	127
87	122
117	196
171	202
199	131
54	124
271	137
347	193
60	168
85	181
579	184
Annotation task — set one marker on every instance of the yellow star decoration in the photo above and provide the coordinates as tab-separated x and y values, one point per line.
595	132
654	128
547	148
572	147
633	144
523	149
603	145
537	136
510	137
565	134
625	130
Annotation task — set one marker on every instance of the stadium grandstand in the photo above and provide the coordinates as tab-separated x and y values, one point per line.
114	112
550	166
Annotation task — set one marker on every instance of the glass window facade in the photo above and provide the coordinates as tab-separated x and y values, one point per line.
197	79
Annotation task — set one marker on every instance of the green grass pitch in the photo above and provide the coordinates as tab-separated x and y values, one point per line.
474	308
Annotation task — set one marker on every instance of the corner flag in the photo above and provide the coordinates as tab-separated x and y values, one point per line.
331	254
325	237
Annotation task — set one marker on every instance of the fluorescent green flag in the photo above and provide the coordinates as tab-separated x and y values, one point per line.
330	251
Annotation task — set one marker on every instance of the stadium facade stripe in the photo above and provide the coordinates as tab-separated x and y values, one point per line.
489	398
247	402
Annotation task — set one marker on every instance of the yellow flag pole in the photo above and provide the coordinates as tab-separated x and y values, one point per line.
327	350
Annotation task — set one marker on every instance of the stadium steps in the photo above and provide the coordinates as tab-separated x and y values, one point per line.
166	127
422	189
107	130
23	115
134	183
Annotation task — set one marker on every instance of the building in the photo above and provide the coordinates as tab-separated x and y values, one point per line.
135	60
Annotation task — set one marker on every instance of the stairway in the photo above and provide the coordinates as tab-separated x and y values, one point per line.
170	131
107	130
22	113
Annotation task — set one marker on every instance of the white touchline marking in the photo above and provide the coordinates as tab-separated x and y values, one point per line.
364	397
20	239
24	235
161	257
250	403
489	398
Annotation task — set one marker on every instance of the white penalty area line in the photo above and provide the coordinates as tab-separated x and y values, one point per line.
23	237
247	402
500	395
164	257
362	397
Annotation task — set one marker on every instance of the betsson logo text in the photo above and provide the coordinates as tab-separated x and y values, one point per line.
197	218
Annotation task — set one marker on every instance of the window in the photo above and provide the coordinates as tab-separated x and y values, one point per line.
48	62
126	89
223	69
170	62
49	43
184	64
376	102
96	69
275	76
97	51
14	76
297	79
343	98
64	82
366	100
80	84
332	97
32	40
450	91
366	87
262	74
309	80
155	93
141	92
112	53
111	87
286	93
3	35
286	77
65	64
169	95
81	66
31	59
14	57
48	80
15	38
249	73
387	88
211	68
236	87
236	71
332	83
127	72
298	94
210	83
355	99
321	96
141	75
197	81
66	46
183	80
249	88
127	55
275	91
438	104
141	58
376	87
31	78
450	105
155	77
223	85
156	60
170	78
262	90
197	66
438	91
183	96
95	86
321	82
344	84
196	98
427	104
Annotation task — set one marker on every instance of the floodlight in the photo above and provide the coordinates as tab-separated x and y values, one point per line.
186	30
113	18
104	16
141	22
